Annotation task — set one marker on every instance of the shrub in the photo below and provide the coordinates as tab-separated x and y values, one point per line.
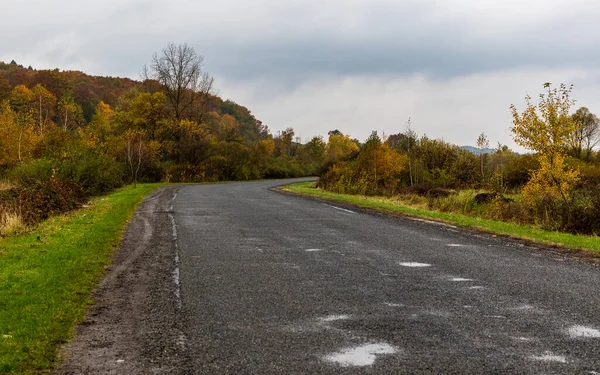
36	170
94	173
41	199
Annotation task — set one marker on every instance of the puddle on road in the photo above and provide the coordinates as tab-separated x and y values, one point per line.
549	357
583	332
333	318
414	264
364	355
523	339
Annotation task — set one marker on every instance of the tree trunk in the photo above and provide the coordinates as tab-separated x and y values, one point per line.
19	144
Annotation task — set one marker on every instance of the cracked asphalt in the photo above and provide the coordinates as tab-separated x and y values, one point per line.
240	279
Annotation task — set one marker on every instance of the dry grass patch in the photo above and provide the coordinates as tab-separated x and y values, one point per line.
10	223
6	185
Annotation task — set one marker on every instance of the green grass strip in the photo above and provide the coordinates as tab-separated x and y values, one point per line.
48	274
526	232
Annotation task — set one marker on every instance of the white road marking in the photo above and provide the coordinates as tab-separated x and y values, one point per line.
460	279
455	245
339	208
176	277
582	331
363	355
172	201
313	250
414	264
432	222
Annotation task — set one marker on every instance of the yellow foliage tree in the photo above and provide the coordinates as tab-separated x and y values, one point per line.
17	126
340	147
546	128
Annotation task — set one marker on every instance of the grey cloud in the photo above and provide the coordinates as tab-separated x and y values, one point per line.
350	61
294	41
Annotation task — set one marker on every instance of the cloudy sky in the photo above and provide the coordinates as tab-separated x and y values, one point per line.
452	66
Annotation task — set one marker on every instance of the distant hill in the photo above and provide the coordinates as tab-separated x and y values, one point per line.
87	91
478	151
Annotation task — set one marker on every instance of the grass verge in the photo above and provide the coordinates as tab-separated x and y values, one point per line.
526	232
48	274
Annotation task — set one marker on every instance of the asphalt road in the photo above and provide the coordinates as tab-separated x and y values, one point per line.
240	279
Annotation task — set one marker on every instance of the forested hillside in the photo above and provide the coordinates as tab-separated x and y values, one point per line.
66	135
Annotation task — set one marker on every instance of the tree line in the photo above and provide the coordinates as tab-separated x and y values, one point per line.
66	135
555	186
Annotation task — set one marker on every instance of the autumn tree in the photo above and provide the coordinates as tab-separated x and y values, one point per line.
69	113
284	143
313	151
546	128
45	103
101	125
138	150
340	147
21	105
178	68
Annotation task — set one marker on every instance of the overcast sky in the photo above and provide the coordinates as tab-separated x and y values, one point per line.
452	66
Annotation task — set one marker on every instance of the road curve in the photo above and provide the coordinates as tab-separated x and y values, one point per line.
240	279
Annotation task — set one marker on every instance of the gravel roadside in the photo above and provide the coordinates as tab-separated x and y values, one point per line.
135	324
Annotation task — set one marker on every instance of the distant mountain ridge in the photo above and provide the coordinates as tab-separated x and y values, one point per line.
478	151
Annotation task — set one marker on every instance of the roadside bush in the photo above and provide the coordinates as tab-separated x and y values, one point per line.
582	216
510	211
283	168
42	199
36	170
95	174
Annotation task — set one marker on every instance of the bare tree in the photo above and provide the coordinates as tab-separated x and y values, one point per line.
586	134
178	68
135	155
411	138
482	144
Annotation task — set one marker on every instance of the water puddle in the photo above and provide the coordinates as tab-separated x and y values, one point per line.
364	355
583	332
414	264
333	318
549	357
